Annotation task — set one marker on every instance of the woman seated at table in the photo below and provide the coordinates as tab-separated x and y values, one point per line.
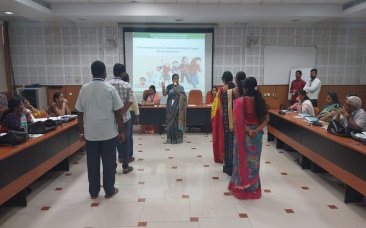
211	96
330	109
59	105
10	120
306	106
151	98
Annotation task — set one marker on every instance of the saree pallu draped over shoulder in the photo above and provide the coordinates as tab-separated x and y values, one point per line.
217	128
245	181
176	112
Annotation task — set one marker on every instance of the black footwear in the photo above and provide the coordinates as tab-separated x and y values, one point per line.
94	197
114	193
127	170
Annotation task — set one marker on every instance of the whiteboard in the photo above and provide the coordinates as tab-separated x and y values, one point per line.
305	76
279	60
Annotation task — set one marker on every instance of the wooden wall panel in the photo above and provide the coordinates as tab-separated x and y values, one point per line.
71	94
53	89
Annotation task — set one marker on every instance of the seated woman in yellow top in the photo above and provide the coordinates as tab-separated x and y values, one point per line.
151	98
59	105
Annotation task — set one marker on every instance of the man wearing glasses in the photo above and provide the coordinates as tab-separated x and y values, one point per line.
352	115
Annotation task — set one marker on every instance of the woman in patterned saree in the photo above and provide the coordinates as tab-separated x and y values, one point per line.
176	110
250	117
217	118
228	98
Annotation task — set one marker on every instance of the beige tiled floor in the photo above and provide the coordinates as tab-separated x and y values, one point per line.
179	186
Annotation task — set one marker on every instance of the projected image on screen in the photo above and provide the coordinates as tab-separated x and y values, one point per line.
152	57
157	56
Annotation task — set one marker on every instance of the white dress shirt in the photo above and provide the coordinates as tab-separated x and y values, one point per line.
98	100
312	88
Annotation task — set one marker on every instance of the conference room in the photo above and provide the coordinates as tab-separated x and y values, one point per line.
48	46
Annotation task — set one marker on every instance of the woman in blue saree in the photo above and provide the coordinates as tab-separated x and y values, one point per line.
176	110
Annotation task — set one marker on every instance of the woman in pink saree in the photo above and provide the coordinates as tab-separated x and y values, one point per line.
250	117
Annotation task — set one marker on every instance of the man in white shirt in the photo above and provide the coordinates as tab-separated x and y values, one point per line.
352	115
100	112
312	87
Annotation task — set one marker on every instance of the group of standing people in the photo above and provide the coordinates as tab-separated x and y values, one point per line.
239	114
104	121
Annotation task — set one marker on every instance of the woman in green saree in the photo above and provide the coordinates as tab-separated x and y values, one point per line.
330	109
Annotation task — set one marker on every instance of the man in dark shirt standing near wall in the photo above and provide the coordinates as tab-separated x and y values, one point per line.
296	85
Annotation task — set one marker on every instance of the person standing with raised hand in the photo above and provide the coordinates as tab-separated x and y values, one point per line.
176	110
100	112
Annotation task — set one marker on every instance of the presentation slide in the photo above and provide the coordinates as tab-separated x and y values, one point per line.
152	58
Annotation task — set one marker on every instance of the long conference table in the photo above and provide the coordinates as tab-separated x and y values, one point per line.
25	163
344	158
156	115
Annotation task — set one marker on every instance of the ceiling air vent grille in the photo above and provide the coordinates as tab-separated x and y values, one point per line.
43	3
352	3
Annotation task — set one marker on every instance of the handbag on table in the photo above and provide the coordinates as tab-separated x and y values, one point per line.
13	138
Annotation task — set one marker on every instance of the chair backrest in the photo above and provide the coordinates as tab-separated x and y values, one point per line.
144	93
195	97
207	95
316	111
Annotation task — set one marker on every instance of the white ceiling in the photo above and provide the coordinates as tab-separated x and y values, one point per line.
190	11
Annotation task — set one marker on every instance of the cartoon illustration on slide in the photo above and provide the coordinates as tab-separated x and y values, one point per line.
194	68
184	70
175	67
142	82
166	70
154	79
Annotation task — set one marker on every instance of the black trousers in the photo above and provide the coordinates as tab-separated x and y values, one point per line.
106	150
314	102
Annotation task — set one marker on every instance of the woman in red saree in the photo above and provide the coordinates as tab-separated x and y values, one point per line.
250	117
217	118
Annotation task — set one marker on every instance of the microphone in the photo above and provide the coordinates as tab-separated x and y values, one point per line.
175	83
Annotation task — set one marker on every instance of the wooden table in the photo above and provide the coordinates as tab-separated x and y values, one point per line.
25	163
156	115
344	158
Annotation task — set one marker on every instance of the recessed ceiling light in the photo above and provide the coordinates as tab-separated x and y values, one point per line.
8	12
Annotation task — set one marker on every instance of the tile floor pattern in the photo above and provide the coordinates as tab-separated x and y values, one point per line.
179	186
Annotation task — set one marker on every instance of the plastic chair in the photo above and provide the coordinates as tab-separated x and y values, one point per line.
144	93
316	111
195	97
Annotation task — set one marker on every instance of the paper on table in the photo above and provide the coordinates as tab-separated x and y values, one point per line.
2	134
298	117
35	135
191	105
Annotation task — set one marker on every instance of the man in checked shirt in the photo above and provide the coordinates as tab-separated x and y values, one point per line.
125	92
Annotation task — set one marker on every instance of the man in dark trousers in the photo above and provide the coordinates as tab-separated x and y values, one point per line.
100	112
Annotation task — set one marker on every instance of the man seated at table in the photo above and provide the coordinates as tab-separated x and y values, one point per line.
352	115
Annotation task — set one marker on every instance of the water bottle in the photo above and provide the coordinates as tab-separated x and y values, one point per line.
299	109
23	122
